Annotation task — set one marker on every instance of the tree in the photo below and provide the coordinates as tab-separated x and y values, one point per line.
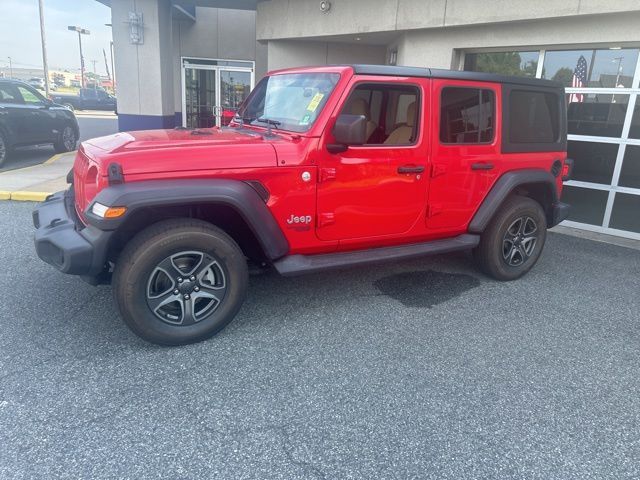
564	75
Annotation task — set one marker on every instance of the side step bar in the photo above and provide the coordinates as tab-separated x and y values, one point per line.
292	265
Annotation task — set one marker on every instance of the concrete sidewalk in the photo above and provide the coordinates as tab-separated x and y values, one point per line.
36	182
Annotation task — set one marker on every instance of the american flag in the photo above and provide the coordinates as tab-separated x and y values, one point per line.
579	79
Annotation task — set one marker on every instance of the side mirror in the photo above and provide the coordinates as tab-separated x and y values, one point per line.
348	130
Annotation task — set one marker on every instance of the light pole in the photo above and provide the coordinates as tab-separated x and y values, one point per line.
44	50
113	70
81	31
10	68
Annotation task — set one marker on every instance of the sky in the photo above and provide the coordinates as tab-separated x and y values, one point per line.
20	34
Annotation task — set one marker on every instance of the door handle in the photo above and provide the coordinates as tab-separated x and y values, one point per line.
411	169
482	166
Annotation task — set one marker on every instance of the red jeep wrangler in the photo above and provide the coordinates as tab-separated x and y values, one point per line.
321	168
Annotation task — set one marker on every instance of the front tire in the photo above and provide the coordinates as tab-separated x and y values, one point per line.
67	140
180	281
513	241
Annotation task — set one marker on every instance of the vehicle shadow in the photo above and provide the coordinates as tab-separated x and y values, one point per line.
27	156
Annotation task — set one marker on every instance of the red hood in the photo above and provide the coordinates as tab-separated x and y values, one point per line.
151	151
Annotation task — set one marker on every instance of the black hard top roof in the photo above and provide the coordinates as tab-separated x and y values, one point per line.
390	70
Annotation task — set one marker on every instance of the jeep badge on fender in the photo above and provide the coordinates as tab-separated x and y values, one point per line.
395	162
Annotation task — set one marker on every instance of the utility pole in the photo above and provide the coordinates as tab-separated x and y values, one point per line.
113	70
44	49
10	68
81	31
95	75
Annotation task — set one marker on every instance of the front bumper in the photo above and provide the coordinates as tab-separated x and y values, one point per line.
63	241
559	212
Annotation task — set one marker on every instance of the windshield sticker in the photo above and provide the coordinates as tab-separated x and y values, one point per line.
315	101
305	120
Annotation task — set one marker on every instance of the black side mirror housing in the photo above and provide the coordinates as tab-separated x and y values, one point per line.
348	130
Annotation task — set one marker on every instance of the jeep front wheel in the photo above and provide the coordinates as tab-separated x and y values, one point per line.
180	282
512	242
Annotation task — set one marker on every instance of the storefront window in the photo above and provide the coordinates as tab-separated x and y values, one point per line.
600	115
522	64
592	112
604	68
593	162
634	132
624	215
630	173
587	205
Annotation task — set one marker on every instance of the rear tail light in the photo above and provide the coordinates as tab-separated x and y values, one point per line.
567	169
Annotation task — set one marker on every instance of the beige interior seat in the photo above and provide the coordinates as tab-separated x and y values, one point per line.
402	135
359	106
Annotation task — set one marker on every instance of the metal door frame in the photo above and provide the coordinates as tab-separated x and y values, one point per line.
217	111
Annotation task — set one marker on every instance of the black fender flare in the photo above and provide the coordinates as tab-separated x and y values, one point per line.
504	186
236	194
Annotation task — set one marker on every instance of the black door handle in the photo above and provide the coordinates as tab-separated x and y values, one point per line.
482	166
411	169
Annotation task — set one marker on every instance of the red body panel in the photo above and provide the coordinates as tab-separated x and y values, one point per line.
354	199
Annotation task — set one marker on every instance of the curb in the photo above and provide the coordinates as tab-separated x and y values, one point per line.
22	196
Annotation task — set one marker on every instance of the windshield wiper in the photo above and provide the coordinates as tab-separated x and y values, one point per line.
270	122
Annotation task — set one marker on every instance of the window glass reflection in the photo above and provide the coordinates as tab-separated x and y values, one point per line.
604	68
634	132
630	173
587	205
624	215
593	162
601	115
521	64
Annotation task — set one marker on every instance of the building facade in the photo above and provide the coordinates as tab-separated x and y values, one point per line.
592	46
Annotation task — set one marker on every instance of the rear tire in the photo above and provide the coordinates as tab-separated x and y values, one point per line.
180	281
513	241
67	140
4	149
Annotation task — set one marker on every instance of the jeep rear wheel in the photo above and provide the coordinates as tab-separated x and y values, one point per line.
512	243
180	282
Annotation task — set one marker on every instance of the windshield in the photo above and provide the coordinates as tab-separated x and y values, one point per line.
290	101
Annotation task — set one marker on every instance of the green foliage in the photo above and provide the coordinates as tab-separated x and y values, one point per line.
505	63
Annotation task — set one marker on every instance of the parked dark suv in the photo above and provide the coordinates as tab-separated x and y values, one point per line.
28	118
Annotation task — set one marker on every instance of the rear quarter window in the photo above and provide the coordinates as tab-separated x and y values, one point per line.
534	119
533	116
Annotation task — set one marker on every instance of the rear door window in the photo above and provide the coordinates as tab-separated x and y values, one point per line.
467	115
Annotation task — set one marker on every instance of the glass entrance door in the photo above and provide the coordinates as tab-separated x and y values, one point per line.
213	90
235	86
200	98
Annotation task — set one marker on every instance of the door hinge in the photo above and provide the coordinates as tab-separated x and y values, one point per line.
326	174
438	169
325	219
433	210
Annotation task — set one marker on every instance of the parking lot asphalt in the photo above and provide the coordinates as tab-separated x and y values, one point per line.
421	369
92	124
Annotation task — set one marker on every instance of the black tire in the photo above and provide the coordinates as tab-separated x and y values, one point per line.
174	247
4	149
513	241
67	140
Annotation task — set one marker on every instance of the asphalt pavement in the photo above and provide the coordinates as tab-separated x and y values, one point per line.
420	369
92	124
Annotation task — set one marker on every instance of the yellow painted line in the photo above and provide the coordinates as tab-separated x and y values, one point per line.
4	195
53	159
22	196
